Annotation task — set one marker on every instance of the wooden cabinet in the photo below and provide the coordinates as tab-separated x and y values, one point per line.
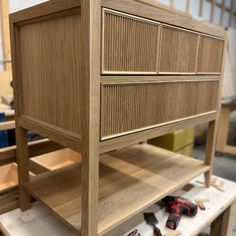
99	75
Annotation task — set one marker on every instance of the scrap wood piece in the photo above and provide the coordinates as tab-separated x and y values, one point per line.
201	205
202	199
173	233
214	183
220	186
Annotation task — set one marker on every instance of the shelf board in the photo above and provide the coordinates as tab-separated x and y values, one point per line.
131	179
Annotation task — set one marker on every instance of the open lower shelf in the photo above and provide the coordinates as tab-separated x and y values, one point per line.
131	179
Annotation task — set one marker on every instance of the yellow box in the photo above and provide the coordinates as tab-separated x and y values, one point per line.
175	141
186	151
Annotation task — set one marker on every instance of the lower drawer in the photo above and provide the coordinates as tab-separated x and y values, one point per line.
133	107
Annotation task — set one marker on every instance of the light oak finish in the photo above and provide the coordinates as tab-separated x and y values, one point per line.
23	167
212	128
90	106
53	105
57	159
6	125
210	55
129	139
122	175
123	105
63	51
178	50
130	44
9	177
8	154
117	79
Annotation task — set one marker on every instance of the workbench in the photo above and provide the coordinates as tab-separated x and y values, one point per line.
40	221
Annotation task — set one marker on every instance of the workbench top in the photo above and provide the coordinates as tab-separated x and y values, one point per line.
39	221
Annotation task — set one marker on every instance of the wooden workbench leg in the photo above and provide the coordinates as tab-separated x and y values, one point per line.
23	167
210	150
222	226
223	128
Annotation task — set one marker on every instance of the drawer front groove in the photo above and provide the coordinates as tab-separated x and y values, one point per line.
130	107
130	44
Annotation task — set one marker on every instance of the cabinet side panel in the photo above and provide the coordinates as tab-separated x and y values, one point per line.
50	62
128	108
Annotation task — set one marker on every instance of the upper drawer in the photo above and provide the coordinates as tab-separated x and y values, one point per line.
210	55
129	44
178	50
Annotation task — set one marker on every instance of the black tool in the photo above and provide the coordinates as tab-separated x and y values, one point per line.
134	233
151	219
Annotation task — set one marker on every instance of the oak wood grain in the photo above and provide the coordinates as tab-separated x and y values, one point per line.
50	76
178	50
122	175
139	106
210	55
130	43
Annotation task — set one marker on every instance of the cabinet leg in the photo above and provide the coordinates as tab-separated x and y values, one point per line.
222	226
210	150
23	167
90	180
223	128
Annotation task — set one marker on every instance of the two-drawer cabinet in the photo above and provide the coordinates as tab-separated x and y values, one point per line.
98	76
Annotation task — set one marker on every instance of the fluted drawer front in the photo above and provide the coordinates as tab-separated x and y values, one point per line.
130	44
210	55
133	107
178	50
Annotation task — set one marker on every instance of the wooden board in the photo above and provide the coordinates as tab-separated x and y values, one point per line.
9	177
57	159
130	180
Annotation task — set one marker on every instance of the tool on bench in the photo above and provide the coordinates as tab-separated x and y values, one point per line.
178	206
151	219
134	233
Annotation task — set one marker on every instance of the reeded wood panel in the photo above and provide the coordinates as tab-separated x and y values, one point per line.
132	107
210	55
130	44
50	58
178	50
